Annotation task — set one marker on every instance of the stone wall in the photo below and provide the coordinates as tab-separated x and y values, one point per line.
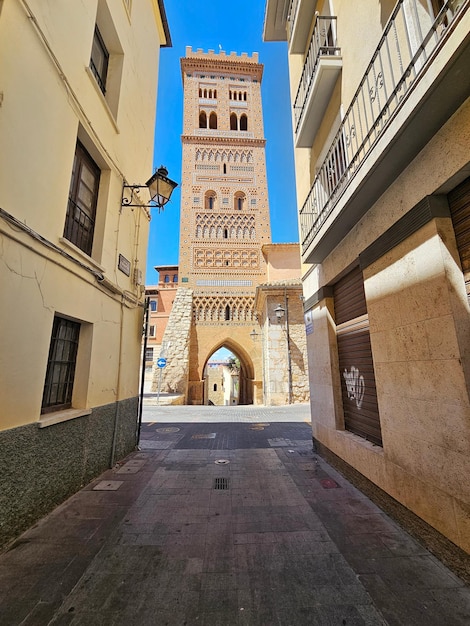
175	345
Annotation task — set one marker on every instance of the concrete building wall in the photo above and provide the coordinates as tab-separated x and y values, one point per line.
417	312
50	99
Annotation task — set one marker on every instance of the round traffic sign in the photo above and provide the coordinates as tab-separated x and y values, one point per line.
161	362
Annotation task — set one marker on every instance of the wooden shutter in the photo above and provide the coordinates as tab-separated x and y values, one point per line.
361	411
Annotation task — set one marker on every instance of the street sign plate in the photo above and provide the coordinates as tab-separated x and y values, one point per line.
161	363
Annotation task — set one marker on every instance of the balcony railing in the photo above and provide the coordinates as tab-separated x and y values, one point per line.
396	64
323	43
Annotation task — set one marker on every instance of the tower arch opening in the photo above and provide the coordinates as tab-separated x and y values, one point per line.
230	368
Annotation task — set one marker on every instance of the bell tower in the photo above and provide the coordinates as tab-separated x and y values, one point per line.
225	212
224	219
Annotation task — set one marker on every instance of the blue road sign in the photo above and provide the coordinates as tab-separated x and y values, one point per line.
161	363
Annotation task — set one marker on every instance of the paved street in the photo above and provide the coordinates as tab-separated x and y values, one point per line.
247	414
224	516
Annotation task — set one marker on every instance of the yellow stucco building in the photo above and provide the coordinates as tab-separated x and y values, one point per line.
78	88
381	124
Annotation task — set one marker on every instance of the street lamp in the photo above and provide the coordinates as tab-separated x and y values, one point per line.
254	335
160	188
280	311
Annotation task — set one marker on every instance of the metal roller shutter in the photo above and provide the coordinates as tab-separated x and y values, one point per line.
459	204
361	411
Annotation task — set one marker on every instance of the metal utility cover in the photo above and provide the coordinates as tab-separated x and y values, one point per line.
221	483
108	485
328	483
278	442
168	429
204	436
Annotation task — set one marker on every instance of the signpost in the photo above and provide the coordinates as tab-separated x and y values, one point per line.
161	363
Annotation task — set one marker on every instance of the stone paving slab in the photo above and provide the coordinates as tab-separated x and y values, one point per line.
287	542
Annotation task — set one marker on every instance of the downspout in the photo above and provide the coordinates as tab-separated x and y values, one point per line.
289	364
142	373
118	388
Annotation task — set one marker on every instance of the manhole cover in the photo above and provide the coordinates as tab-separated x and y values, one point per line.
222	462
169	429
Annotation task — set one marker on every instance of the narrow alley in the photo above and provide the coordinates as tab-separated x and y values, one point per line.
225	516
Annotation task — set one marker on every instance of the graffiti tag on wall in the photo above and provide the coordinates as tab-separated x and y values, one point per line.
355	385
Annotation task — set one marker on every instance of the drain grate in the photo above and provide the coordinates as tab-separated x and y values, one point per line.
221	483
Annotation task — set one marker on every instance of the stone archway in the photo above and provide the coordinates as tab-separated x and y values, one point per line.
246	374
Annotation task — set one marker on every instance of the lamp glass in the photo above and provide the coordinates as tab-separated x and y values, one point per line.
160	186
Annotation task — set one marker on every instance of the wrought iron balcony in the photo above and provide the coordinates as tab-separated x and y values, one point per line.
299	19
368	153
321	70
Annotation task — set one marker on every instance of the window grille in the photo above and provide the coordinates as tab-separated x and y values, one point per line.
81	212
99	60
61	363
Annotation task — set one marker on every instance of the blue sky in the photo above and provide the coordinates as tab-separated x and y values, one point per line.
237	27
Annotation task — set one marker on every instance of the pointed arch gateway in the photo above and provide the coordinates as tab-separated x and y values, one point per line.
245	375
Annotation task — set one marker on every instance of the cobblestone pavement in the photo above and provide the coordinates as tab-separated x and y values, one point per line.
224	524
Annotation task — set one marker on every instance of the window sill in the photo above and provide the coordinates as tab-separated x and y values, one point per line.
49	419
103	99
84	256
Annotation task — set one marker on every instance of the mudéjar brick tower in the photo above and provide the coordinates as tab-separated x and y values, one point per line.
224	222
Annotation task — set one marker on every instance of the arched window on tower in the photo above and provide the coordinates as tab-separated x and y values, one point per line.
227	313
213	120
205	93
202	119
239	201
215	94
209	200
200	92
244	96
243	122
225	233
233	121
210	94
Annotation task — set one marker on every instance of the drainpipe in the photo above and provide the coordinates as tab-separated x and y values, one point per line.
142	372
289	363
118	388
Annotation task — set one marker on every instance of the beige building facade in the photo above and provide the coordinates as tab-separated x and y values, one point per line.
225	228
73	132
381	123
